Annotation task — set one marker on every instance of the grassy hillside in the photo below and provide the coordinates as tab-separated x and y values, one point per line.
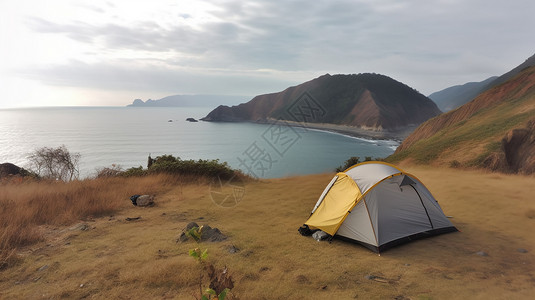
474	131
371	101
108	257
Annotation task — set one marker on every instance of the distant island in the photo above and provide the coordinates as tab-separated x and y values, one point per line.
370	105
190	101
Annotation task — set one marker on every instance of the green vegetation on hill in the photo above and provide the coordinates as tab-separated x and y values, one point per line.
468	135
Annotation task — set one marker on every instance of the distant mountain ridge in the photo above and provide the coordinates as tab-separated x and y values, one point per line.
189	101
455	96
368	101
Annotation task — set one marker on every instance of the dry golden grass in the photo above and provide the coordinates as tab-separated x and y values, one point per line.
140	259
25	205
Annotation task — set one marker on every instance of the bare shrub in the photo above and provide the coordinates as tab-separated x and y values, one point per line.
113	171
55	163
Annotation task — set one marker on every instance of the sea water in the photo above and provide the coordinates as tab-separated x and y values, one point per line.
126	136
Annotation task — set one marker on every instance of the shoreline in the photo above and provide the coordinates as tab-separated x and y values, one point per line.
396	135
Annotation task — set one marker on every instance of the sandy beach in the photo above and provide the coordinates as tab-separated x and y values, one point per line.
374	134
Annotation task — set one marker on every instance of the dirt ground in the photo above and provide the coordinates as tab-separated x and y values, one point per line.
492	257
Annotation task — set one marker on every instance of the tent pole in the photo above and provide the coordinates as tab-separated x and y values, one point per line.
421	201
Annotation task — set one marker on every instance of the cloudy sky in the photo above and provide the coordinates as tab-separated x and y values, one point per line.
95	52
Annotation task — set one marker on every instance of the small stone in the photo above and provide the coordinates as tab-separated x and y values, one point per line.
233	249
522	250
191	225
482	253
81	285
182	238
81	227
43	268
370	277
263	269
145	200
302	279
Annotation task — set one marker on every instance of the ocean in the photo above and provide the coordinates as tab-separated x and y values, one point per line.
125	136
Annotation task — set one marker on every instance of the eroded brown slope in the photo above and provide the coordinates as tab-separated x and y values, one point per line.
496	131
518	87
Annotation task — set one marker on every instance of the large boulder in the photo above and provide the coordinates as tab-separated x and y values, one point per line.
517	153
519	148
7	169
142	200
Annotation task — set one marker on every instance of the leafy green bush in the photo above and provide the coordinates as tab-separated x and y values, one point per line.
134	172
201	167
349	163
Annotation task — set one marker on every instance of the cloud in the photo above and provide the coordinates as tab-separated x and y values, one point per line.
431	44
140	78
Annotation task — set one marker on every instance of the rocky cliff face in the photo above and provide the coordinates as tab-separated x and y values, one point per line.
369	101
517	153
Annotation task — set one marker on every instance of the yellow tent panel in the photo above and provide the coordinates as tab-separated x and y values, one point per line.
340	199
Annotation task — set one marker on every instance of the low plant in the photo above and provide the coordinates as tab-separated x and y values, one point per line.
175	165
455	164
112	171
220	280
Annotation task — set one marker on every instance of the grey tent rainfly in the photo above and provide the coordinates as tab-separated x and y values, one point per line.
379	206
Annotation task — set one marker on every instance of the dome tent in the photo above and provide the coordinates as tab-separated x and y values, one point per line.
379	206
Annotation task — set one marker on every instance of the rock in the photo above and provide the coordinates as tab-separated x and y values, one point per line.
182	238
233	249
43	268
132	219
482	253
7	169
210	234
519	147
370	277
191	120
191	225
302	279
517	153
81	227
522	250
145	200
320	235
264	269
142	200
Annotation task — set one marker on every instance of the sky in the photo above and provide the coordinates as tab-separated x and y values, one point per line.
108	53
